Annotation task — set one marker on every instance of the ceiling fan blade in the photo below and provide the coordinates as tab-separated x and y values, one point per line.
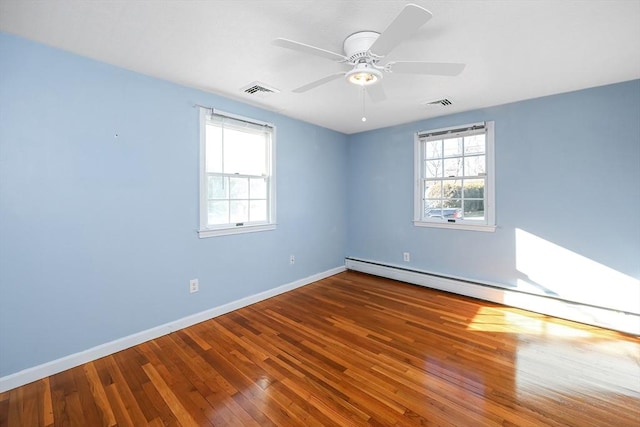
406	23
376	93
301	47
317	83
434	68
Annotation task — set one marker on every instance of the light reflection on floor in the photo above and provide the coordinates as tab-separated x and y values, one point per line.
552	354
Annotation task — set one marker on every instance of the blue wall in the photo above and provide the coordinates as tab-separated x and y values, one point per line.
98	234
567	199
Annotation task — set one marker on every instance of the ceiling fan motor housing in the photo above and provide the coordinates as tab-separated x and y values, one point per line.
357	45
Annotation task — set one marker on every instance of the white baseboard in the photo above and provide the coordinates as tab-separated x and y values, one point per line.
53	367
602	317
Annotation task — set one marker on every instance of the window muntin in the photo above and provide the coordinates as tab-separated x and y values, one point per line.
454	185
237	191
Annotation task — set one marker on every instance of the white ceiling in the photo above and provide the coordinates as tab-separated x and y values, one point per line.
514	49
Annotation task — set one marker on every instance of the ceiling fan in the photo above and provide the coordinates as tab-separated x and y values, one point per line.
364	51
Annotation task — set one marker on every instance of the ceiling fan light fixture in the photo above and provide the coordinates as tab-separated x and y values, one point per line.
363	75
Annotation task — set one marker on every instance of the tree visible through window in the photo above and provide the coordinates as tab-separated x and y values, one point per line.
237	191
454	184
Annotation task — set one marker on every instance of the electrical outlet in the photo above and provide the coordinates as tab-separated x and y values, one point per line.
292	259
194	286
406	256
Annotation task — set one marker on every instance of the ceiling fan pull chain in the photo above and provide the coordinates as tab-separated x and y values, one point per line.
364	117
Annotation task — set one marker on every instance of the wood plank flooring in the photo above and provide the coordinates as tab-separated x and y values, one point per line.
352	350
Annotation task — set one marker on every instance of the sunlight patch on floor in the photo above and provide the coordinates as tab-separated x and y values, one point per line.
490	319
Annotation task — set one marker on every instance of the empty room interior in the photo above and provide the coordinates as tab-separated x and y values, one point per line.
315	213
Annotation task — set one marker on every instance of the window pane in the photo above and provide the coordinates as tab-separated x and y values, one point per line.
474	209
218	187
258	210
432	208
474	166
433	213
474	188
433	169
433	149
244	153
474	144
452	190
258	188
213	149
432	204
433	189
218	212
238	188
238	211
451	203
453	167
452	147
445	213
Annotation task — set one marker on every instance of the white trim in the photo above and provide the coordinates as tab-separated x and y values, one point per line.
240	118
451	131
417	178
212	232
35	373
456	226
272	180
601	317
202	194
490	161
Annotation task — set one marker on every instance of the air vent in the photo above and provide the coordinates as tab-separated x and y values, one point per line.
257	88
442	102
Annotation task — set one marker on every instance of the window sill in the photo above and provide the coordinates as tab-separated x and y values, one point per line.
213	232
456	226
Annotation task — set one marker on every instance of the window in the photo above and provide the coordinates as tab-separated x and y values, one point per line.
454	186
237	182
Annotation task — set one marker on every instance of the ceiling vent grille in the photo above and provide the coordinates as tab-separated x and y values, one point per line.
441	102
257	88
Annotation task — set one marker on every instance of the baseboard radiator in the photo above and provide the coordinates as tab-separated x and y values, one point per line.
591	315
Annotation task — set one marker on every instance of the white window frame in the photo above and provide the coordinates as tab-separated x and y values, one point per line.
206	230
419	219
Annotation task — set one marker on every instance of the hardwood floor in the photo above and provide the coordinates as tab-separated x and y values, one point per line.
351	350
